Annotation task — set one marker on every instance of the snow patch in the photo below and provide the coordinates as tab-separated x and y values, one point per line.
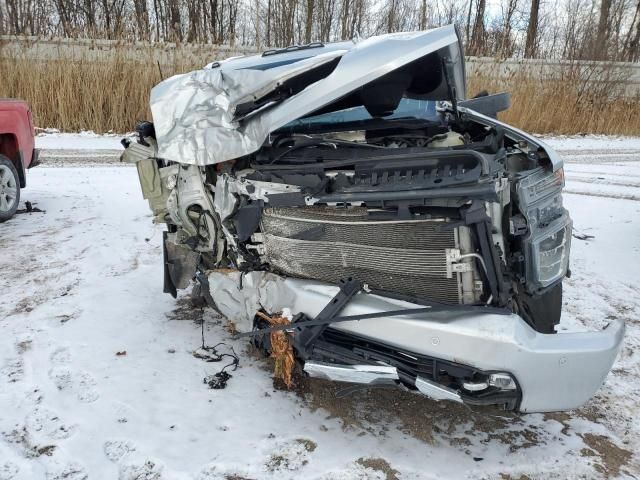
291	455
8	470
85	140
67	471
591	142
48	423
143	469
115	450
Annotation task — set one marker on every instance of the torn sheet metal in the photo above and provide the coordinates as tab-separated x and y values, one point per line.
239	296
194	113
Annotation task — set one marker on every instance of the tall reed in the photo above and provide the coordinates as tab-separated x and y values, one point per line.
82	94
566	105
111	94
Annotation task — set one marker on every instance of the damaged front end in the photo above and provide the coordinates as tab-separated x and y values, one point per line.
415	240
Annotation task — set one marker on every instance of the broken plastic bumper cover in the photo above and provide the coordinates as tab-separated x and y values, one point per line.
365	374
435	378
376	375
551	371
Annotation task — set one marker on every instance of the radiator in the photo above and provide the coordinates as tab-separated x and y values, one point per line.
327	244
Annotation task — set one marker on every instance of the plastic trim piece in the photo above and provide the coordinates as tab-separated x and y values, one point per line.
435	391
364	374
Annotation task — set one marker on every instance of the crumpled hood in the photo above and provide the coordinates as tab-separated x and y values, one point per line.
196	114
193	113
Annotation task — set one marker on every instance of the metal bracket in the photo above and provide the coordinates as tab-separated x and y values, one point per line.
461	267
259	249
305	337
307	331
453	256
298	325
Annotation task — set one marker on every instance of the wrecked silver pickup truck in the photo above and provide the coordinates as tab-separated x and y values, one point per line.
410	237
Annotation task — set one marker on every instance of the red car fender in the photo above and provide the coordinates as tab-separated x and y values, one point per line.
17	134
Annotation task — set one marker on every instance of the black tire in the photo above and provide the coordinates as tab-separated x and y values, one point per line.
9	189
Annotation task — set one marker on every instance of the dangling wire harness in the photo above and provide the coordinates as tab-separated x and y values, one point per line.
218	380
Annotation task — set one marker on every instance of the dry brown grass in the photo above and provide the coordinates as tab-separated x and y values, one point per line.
567	106
112	94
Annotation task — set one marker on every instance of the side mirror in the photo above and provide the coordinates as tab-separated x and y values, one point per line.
488	105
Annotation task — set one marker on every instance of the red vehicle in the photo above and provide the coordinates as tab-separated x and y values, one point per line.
17	153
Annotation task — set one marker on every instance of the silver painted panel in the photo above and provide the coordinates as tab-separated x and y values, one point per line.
555	372
518	135
193	112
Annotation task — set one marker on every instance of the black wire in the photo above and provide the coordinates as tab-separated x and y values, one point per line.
217	356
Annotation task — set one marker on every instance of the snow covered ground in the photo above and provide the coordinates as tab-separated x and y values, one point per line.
98	380
84	148
52	139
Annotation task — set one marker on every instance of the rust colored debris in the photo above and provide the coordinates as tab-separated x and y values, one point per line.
281	349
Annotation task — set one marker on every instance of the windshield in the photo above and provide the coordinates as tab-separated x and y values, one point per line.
408	108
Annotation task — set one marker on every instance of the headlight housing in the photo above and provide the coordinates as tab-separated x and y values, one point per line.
540	196
546	247
548	252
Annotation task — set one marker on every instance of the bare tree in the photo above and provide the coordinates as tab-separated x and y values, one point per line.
468	24
532	30
233	20
632	40
423	15
590	29
478	34
392	14
142	18
308	27
602	36
505	47
175	22
325	11
159	18
65	17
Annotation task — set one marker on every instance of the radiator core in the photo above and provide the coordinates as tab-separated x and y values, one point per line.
330	243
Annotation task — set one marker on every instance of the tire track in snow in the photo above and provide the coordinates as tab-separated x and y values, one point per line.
603	181
570	173
599	156
616	196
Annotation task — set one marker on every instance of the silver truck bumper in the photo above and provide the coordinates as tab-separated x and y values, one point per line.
554	372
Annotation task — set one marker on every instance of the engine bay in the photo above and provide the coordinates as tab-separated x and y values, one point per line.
443	210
